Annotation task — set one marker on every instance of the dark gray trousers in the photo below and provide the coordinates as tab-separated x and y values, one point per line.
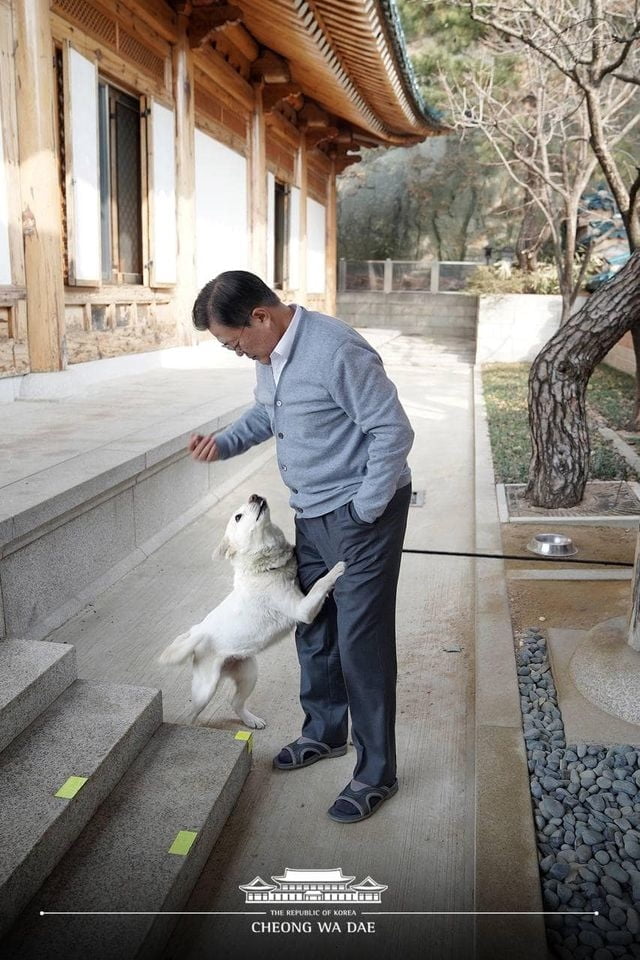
348	654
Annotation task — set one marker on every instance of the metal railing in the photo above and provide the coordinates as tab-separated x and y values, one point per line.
397	276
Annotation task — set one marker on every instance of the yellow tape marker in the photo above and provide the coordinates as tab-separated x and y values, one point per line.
245	735
70	787
183	842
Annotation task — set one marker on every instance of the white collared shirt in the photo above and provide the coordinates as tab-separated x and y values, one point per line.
280	353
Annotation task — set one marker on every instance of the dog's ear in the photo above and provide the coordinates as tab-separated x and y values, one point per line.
224	549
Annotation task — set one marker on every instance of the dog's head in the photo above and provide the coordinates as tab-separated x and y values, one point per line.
249	530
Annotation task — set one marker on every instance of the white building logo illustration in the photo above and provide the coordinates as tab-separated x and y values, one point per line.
312	886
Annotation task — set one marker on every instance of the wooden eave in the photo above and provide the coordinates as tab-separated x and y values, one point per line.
342	55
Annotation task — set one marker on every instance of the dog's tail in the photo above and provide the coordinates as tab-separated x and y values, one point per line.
181	648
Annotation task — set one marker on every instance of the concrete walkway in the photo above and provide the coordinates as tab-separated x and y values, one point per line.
421	845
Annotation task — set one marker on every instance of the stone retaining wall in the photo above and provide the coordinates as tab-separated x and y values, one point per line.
417	313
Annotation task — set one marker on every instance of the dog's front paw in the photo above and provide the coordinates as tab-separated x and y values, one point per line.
338	569
250	719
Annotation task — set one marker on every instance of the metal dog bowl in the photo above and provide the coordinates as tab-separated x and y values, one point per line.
552	545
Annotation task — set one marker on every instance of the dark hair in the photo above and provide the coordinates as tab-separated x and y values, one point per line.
229	299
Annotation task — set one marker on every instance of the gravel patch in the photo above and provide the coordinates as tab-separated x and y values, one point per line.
586	805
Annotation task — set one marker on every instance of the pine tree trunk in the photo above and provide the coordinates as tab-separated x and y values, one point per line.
557	387
635	421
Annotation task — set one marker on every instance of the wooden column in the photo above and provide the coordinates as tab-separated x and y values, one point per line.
39	185
331	249
258	209
302	182
184	89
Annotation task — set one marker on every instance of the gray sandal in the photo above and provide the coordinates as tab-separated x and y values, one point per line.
296	755
354	805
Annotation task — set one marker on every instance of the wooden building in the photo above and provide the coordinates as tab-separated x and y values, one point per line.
145	146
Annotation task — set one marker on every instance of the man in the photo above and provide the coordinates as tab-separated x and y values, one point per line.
342	440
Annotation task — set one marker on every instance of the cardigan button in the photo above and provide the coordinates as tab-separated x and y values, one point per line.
281	436
278	403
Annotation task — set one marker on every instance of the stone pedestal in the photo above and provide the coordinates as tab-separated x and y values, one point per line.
606	670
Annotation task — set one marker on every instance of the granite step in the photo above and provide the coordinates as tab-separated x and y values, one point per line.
93	730
32	676
186	779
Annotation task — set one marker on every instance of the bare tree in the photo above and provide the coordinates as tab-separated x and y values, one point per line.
596	51
597	48
540	132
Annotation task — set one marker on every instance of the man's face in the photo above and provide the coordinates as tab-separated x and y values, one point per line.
256	340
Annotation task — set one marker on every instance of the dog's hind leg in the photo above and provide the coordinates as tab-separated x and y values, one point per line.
244	674
207	670
180	649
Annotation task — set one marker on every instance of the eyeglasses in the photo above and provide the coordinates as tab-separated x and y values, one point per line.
233	346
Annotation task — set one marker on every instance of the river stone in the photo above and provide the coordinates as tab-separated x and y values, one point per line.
632	847
619	936
564	892
591	938
633	920
592	836
611	886
615	870
551	808
618	916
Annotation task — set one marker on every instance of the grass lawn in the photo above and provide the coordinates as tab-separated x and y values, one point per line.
610	393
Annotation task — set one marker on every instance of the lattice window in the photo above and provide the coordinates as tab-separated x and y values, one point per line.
92	20
281	230
109	31
120	186
128	197
145	58
62	160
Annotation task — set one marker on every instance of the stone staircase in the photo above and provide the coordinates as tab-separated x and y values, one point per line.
104	809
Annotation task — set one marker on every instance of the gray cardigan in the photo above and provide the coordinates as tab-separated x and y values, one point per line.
341	433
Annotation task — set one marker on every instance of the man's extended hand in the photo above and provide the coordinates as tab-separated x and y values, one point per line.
203	448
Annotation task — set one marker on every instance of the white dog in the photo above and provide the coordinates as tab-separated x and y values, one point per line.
264	606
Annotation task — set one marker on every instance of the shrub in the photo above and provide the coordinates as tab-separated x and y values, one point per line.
490	280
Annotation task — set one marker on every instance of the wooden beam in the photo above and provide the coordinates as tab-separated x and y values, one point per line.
331	251
319	134
277	122
303	183
341	163
205	21
258	187
184	90
274	92
158	16
242	39
346	138
39	185
312	115
214	66
271	68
